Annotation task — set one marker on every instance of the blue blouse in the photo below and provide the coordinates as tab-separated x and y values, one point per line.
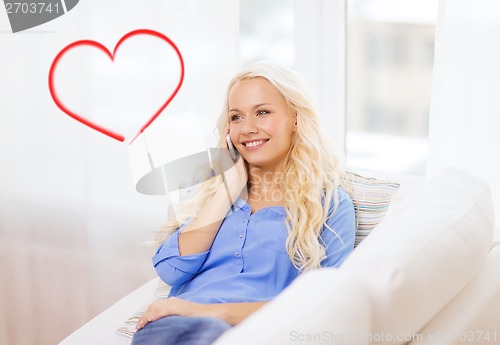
248	261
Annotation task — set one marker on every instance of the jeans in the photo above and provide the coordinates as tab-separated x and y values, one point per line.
181	330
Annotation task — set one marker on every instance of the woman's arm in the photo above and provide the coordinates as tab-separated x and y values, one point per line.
232	313
198	236
183	253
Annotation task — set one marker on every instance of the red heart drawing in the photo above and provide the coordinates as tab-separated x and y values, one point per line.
99	46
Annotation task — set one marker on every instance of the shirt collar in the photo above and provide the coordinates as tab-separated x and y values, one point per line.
240	203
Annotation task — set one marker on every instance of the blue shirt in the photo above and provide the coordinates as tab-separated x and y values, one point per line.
248	261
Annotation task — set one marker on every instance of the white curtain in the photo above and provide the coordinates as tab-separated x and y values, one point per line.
465	107
71	222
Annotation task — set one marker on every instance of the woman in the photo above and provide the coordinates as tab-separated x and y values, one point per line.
246	234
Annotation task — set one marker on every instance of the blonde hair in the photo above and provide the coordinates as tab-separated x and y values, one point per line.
312	159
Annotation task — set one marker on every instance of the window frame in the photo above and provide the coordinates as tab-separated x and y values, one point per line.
320	57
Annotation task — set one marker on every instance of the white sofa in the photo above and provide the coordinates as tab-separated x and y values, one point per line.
428	274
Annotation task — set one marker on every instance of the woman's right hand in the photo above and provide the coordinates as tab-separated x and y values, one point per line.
236	178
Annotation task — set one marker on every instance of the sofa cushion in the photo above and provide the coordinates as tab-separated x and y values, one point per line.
472	316
371	197
325	306
425	252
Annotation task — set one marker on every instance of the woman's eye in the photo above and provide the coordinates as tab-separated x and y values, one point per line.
235	117
262	112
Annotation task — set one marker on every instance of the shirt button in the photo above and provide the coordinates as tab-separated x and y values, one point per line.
241	236
245	220
237	253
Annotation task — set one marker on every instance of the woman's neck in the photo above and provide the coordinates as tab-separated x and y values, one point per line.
265	181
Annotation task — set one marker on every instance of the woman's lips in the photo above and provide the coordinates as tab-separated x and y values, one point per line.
255	146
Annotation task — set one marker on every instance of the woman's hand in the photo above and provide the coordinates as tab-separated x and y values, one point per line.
234	174
232	313
174	306
236	178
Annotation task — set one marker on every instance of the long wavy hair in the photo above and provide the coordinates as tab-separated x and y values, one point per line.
313	172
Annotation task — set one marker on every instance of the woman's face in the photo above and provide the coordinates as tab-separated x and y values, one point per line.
260	122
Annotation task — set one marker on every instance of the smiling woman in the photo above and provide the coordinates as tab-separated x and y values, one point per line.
243	236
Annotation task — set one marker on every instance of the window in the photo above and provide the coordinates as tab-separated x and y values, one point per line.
389	75
267	32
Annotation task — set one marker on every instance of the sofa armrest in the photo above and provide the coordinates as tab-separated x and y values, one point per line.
102	328
472	316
